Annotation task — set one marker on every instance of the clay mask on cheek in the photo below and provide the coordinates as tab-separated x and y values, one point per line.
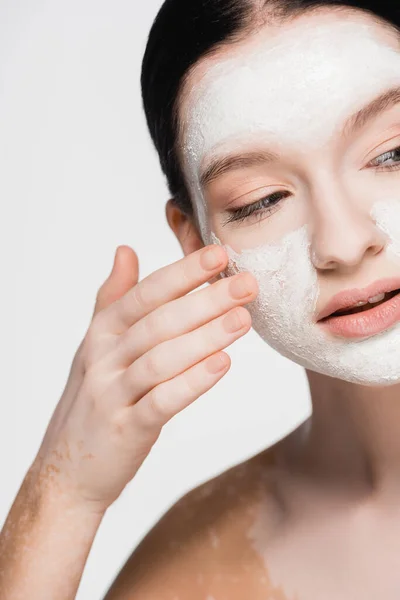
288	291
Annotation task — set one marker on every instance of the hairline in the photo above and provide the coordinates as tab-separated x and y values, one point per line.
267	13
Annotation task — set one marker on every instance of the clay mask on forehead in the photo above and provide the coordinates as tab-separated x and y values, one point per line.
331	69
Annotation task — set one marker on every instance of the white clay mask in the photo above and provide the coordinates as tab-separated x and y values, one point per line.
283	311
297	89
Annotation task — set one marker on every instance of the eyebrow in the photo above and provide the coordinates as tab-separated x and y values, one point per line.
231	162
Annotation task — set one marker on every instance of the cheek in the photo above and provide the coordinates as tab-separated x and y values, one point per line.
288	285
386	214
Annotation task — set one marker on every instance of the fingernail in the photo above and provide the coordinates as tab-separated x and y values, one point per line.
218	363
240	287
211	259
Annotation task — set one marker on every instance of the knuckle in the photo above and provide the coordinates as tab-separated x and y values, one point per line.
190	383
186	271
158	405
121	312
154	323
152	365
95	346
137	297
91	390
118	424
212	334
211	299
93	381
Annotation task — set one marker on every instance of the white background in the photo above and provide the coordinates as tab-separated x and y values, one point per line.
78	177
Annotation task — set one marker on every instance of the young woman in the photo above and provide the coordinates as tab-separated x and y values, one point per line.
278	128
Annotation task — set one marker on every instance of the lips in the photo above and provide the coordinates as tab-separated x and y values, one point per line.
349	298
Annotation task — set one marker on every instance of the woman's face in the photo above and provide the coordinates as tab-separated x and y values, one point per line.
274	122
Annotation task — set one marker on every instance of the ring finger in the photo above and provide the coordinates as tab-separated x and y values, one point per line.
169	359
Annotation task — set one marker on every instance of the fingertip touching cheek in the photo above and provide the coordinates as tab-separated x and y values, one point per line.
284	95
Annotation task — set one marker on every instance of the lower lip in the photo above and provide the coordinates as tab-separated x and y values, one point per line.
366	323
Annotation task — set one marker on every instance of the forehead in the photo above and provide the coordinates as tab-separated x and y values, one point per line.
295	82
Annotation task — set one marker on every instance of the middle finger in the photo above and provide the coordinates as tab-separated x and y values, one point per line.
183	315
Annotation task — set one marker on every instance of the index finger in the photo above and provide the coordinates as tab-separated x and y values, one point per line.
162	286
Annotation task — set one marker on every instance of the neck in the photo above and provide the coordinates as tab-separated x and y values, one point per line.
353	435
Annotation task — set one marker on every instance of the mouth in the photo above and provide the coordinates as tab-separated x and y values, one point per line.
364	306
360	313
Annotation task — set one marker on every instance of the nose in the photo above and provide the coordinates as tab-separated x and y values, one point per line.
343	231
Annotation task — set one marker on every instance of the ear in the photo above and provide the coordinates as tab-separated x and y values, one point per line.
185	230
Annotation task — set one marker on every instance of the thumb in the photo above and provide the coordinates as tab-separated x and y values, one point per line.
124	275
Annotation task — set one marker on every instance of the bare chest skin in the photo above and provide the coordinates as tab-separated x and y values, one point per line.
251	549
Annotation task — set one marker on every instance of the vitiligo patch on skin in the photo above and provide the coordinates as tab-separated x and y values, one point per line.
226	508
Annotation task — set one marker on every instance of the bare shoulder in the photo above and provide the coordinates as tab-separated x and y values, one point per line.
203	548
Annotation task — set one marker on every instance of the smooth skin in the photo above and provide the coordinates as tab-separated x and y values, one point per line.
150	350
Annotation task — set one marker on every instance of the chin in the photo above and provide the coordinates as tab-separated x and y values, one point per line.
372	361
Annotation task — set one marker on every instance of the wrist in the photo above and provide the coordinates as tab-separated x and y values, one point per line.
46	535
44	495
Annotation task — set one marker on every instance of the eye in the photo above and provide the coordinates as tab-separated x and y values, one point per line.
390	155
265	205
270	204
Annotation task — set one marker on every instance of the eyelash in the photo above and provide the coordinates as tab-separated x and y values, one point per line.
258	209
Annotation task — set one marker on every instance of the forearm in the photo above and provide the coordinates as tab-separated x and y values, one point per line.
44	545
